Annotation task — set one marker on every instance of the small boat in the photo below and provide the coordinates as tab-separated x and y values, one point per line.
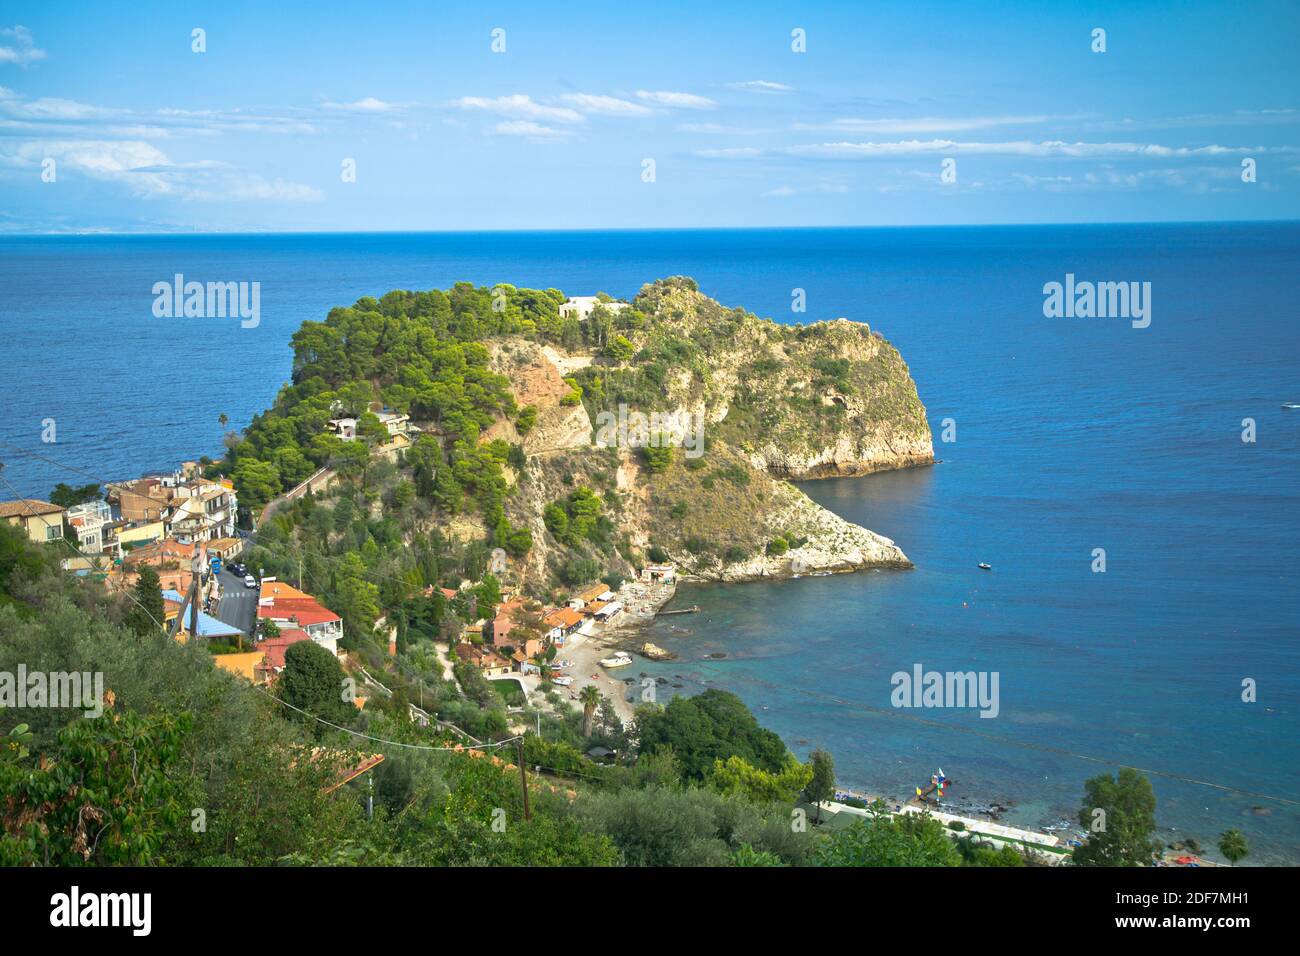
562	681
1291	404
620	659
985	567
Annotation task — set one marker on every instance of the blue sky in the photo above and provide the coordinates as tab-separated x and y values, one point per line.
147	135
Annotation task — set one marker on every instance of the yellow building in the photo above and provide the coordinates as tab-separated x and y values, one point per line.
41	520
143	534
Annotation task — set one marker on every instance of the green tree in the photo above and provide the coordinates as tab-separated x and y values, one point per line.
257	482
1233	845
822	786
658	455
358	598
146	613
312	682
1120	816
890	841
590	698
66	496
708	727
111	793
526	420
619	349
734	777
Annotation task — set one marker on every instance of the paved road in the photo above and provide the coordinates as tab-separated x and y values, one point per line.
238	606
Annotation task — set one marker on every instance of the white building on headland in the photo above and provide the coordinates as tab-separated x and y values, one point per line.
581	306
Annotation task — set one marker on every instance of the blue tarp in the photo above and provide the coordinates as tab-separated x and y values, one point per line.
209	626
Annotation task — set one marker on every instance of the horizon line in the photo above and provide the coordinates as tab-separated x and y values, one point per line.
120	234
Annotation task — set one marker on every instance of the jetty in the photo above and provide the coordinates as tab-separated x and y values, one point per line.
693	609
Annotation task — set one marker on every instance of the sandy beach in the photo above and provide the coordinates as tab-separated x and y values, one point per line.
641	602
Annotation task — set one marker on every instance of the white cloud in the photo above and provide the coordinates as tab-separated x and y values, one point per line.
780	192
928	124
761	86
529	129
51	108
605	105
252	186
847	150
521	106
684	101
734	152
367	104
54	115
23	50
148	173
718	128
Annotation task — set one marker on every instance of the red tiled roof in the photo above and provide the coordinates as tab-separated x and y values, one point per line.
562	617
276	646
307	615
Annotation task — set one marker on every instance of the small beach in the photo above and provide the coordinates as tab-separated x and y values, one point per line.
641	602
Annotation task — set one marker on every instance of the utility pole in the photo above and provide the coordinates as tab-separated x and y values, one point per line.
523	777
195	590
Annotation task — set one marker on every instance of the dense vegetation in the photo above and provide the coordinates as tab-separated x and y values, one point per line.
190	765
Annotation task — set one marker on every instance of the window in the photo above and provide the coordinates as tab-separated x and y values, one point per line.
53	531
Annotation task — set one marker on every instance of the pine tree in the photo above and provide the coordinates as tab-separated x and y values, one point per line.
146	614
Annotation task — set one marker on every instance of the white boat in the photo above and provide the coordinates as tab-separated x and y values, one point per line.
1291	405
562	681
620	659
984	567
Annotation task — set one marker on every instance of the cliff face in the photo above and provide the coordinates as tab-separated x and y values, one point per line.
811	401
770	402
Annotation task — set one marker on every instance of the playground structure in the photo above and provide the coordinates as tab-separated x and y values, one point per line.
939	783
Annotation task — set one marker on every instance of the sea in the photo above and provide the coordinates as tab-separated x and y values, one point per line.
1135	490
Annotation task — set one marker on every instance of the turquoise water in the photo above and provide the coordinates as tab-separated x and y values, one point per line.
1072	434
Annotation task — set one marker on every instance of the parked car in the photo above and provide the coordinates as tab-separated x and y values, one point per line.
250	581
238	570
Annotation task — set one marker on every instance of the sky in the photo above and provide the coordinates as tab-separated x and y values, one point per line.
414	116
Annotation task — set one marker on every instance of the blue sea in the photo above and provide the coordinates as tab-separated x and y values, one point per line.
1071	435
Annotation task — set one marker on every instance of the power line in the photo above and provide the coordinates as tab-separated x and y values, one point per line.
77	550
459	748
77	471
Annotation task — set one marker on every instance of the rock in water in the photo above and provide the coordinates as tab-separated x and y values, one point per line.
656	653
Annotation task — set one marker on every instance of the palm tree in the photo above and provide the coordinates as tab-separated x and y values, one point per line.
590	699
1233	846
223	419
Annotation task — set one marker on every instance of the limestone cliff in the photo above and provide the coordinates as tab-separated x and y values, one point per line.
770	402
